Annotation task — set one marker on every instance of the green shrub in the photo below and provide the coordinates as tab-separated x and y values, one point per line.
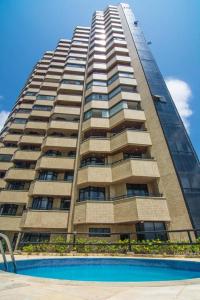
86	245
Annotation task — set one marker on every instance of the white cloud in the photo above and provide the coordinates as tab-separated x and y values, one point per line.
181	94
3	116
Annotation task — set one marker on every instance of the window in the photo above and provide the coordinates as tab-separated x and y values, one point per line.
74	65
41	203
90	161
30	94
69	176
30	148
18	185
20	121
42	107
25	165
71	154
8	209
68	81
24	110
137	189
92	193
97	83
99	232
47	175
5	157
45	97
95	96
36	237
53	153
65	204
2	174
96	113
155	229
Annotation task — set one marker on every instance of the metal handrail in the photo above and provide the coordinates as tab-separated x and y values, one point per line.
6	239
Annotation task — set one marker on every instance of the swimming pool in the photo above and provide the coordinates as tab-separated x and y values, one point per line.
109	269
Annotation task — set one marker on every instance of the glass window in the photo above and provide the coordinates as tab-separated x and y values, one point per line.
95	96
74	65
96	83
42	203
2	174
8	209
42	107
155	231
69	176
47	175
45	97
30	94
19	121
68	81
36	237
5	157
99	232
53	153
18	185
93	161
65	203
92	193
137	189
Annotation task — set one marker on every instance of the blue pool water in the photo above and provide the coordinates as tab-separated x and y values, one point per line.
109	269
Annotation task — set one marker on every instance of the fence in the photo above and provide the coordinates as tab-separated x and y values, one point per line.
118	240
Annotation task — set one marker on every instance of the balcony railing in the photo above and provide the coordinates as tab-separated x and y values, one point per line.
125	196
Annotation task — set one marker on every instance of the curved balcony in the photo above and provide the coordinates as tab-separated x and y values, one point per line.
26	155
10	223
14	196
139	170
126	210
116	143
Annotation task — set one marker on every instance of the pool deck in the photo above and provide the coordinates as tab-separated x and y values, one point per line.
19	287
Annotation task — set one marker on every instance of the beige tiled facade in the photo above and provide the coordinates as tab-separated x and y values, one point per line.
82	149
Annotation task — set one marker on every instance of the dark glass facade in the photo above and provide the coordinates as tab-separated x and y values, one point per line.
183	155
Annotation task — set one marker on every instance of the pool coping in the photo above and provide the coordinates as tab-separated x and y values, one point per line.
195	281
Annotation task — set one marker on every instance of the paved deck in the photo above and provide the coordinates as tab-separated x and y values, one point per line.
19	287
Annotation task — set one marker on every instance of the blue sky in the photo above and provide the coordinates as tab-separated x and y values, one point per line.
30	27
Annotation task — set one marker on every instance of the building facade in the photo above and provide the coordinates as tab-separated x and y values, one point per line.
94	142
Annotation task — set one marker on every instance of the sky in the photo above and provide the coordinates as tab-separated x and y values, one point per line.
28	28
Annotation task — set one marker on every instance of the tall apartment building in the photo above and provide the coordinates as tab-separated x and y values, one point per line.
94	142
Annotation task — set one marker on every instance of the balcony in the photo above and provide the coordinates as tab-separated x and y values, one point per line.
51	219
36	125
53	188
67	110
16	126
70	87
14	196
116	119
63	125
10	223
5	165
5	150
67	99
140	209
31	139
56	163
59	143
95	175
139	170
116	142
2	183
126	210
26	155
11	137
130	137
40	113
20	174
